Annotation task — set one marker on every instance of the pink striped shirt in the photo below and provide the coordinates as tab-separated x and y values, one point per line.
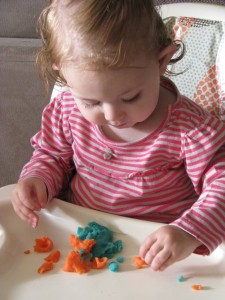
174	175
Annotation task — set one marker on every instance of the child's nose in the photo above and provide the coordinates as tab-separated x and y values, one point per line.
113	113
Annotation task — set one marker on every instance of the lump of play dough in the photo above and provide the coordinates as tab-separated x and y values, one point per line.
120	259
180	278
104	247
113	266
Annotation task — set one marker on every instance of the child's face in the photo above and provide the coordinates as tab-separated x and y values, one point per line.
122	97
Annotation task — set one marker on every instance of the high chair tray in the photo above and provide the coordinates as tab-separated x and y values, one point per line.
19	279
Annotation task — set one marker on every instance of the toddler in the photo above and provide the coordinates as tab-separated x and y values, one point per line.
122	139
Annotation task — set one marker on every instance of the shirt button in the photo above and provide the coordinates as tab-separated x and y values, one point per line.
107	155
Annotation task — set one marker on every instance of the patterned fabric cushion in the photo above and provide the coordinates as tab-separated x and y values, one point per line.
202	70
160	2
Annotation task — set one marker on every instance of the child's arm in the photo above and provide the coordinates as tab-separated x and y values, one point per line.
202	227
52	159
205	165
28	196
51	166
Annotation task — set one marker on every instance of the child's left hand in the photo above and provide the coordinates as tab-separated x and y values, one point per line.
167	245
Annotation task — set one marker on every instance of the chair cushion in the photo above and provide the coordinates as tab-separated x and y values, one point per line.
202	69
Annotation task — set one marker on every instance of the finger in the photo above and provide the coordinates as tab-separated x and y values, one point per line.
167	263
161	260
153	252
146	245
27	215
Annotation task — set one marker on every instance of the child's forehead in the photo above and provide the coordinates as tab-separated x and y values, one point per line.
100	82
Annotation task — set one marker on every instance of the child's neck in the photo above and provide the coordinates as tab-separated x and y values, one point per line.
141	130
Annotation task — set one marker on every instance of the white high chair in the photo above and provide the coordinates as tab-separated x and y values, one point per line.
209	11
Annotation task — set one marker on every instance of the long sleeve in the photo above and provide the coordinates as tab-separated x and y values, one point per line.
204	154
52	157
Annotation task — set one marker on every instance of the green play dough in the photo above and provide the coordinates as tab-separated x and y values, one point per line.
104	247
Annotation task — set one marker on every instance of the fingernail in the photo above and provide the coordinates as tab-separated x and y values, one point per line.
34	223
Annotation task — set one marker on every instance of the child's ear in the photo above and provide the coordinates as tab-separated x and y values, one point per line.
55	67
165	56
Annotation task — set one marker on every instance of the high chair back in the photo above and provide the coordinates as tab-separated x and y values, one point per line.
201	28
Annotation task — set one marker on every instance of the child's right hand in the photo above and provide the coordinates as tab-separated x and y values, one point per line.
28	196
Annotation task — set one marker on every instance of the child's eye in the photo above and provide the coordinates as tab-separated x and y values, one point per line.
90	105
136	97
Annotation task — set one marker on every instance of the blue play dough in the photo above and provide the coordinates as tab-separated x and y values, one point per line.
120	259
81	251
113	266
180	278
104	247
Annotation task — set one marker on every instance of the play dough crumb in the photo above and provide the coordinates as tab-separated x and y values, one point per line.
138	262
43	244
99	263
26	252
120	259
113	266
81	251
196	287
180	278
45	267
53	256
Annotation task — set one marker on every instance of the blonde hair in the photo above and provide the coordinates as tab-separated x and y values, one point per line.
109	33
